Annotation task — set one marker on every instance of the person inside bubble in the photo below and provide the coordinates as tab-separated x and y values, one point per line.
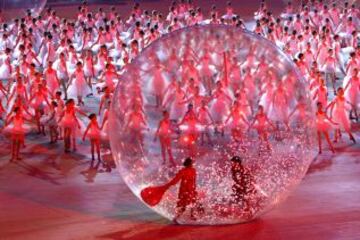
243	184
205	120
164	132
261	123
279	105
136	124
238	122
189	130
187	196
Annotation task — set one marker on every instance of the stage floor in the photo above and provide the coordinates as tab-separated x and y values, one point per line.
47	197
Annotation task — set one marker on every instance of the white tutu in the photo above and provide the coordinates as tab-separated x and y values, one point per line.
177	111
76	90
4	72
219	110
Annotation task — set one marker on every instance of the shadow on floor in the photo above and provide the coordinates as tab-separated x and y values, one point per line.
257	229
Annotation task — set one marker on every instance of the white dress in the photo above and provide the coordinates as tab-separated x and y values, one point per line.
5	70
78	87
340	114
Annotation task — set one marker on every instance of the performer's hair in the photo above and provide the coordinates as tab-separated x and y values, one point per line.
92	116
236	159
69	101
188	161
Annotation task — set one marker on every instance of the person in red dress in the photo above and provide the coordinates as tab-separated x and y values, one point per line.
187	195
187	192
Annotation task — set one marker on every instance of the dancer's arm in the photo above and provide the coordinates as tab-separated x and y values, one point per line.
331	106
70	81
61	117
176	179
228	118
11	97
252	123
96	42
347	84
293	112
330	120
8	121
157	131
81	112
211	118
316	94
245	120
46	100
52	117
101	104
4	93
77	121
103	122
269	122
86	131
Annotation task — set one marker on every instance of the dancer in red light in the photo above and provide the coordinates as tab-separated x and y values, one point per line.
329	67
187	192
187	195
164	133
52	79
220	105
205	120
17	133
352	90
93	132
238	122
80	85
323	125
321	93
262	123
339	109
50	119
136	124
69	123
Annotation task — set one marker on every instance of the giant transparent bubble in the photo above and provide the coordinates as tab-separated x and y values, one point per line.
211	80
11	9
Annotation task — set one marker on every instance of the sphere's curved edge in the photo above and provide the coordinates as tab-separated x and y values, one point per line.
137	62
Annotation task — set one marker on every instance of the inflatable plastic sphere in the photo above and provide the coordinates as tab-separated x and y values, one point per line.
20	8
212	93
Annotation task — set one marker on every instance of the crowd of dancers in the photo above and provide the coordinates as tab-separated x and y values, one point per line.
52	67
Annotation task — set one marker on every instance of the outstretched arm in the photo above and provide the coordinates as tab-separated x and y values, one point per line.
316	94
292	113
347	85
157	131
176	179
228	118
245	120
86	131
211	118
61	117
269	122
103	122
